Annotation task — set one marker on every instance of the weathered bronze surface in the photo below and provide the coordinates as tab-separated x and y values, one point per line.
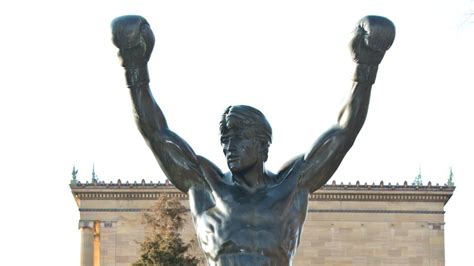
248	216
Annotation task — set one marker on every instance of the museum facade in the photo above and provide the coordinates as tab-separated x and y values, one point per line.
346	224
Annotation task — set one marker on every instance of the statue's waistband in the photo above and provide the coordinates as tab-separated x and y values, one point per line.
245	258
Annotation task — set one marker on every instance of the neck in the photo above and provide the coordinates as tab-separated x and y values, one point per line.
254	178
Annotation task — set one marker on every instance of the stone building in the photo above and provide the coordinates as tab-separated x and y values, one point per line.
346	224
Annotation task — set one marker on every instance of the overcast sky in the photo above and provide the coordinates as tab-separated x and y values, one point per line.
64	101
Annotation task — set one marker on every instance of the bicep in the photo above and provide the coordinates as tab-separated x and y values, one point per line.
320	163
177	159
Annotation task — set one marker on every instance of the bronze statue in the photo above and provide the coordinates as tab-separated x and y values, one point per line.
248	216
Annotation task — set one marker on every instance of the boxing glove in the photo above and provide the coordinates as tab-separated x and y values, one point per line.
135	40
372	37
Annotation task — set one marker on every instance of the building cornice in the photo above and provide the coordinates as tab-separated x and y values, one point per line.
330	192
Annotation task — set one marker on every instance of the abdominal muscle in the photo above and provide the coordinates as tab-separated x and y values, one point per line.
235	237
237	227
246	247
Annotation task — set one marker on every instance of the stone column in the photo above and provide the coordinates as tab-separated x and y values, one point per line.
87	242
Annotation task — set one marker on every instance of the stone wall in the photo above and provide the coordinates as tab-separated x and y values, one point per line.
346	224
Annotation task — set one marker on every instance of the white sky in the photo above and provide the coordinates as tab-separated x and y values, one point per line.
64	102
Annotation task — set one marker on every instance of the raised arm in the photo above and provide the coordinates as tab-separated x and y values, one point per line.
135	40
373	36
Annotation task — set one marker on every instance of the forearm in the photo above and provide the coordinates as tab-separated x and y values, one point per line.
148	115
353	114
365	73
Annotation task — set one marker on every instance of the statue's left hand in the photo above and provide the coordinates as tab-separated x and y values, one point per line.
372	37
133	36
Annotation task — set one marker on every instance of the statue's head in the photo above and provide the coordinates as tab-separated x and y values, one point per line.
246	136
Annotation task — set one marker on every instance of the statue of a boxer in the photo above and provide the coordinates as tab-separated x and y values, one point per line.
248	216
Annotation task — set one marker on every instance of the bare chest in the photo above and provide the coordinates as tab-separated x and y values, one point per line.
267	222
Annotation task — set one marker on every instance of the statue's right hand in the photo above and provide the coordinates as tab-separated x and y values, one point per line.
135	40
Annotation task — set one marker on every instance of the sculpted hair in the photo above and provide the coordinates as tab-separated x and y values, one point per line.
249	120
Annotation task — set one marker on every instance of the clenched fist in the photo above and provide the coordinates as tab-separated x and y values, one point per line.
135	40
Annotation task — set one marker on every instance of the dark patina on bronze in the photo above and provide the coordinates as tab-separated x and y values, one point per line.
249	216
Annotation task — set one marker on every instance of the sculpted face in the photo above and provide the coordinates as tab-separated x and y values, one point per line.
241	149
245	137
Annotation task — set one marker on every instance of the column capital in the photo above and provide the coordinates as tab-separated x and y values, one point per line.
86	224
